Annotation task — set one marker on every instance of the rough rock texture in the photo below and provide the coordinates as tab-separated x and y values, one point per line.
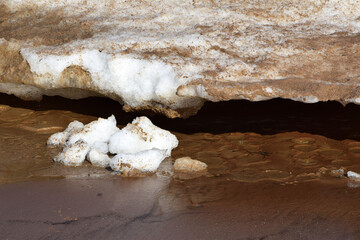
171	56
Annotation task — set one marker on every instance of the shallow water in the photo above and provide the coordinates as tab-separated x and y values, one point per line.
284	157
262	184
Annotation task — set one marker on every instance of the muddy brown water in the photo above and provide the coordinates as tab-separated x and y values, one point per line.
273	174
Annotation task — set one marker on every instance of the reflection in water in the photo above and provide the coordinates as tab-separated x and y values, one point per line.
203	208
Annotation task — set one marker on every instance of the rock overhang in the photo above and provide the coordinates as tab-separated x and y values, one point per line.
171	56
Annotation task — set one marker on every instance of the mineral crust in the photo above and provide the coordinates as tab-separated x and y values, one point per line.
172	56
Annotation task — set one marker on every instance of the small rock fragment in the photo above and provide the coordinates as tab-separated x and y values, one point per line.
322	171
186	164
353	175
337	173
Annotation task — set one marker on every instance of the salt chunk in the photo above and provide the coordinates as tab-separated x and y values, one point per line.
142	135
96	131
354	175
74	154
139	146
61	137
98	158
144	161
187	164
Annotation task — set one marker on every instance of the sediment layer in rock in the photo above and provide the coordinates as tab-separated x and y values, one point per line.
171	56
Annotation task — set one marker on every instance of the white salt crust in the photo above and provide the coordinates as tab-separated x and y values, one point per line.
98	158
145	161
79	139
73	154
142	135
100	146
61	137
121	67
96	131
137	81
140	145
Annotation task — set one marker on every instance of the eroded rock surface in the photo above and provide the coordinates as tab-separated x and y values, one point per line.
171	56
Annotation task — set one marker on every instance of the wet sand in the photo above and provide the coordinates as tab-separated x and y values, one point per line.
273	174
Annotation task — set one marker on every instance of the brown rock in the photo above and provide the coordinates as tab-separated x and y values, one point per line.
186	164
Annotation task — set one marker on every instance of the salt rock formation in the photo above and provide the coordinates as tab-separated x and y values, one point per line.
142	135
60	138
96	132
140	147
80	141
73	154
171	56
143	161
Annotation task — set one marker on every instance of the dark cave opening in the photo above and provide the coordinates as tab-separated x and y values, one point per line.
330	119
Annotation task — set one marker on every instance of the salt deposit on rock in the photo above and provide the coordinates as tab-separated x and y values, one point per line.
189	165
171	56
96	131
140	146
143	161
61	137
73	154
142	135
78	140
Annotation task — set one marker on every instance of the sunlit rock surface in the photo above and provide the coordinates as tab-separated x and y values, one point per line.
171	56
